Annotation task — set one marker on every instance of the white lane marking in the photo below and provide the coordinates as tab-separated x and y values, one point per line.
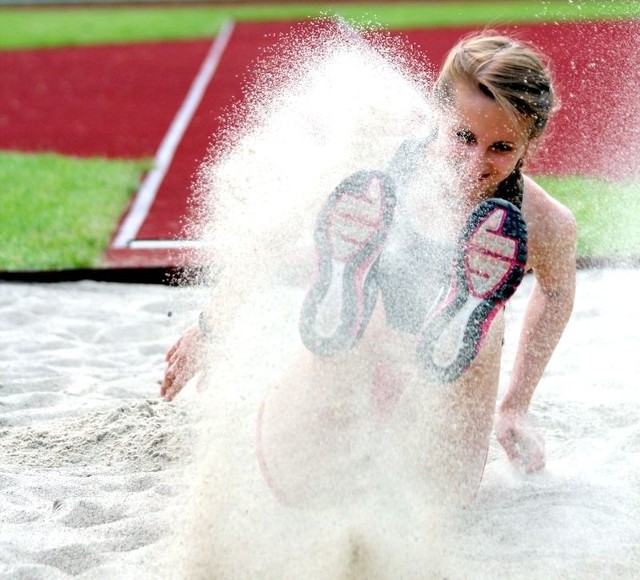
165	244
146	195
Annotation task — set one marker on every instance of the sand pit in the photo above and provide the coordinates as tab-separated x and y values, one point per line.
93	464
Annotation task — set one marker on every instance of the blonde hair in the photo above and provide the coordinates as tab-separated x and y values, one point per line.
512	73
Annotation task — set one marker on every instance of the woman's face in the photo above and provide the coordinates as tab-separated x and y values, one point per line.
483	141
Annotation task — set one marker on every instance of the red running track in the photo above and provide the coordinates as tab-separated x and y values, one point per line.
121	101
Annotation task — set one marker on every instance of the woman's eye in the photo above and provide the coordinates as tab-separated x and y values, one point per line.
465	136
502	147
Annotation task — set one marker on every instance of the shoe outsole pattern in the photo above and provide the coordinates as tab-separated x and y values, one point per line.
354	252
489	265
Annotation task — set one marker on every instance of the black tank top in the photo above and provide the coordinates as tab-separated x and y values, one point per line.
413	270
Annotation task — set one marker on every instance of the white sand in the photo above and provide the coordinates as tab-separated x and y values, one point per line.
88	452
90	458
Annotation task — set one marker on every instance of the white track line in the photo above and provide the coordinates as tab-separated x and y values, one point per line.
147	193
166	244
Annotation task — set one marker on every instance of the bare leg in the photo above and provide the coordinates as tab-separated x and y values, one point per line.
312	424
316	425
443	430
466	421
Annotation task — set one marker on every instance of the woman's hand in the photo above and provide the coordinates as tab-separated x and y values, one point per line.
521	440
184	359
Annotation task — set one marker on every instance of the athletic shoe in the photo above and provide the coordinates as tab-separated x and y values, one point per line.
488	267
350	233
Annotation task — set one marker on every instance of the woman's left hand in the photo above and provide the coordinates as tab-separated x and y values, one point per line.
521	440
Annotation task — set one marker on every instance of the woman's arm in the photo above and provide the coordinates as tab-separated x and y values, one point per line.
552	244
188	355
191	353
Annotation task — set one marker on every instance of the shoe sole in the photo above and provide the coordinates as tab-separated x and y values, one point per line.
338	306
488	268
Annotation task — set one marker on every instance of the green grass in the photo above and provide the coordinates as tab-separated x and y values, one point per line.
59	212
76	26
606	212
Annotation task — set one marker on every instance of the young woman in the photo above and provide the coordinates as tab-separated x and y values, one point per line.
416	313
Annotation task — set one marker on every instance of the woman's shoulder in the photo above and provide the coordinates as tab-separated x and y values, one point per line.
541	209
551	226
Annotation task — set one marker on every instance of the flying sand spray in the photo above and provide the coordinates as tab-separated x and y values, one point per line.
334	105
327	104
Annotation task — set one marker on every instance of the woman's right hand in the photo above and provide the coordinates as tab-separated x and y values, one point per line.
184	359
521	440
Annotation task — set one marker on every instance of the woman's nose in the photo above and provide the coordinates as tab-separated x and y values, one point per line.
478	161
